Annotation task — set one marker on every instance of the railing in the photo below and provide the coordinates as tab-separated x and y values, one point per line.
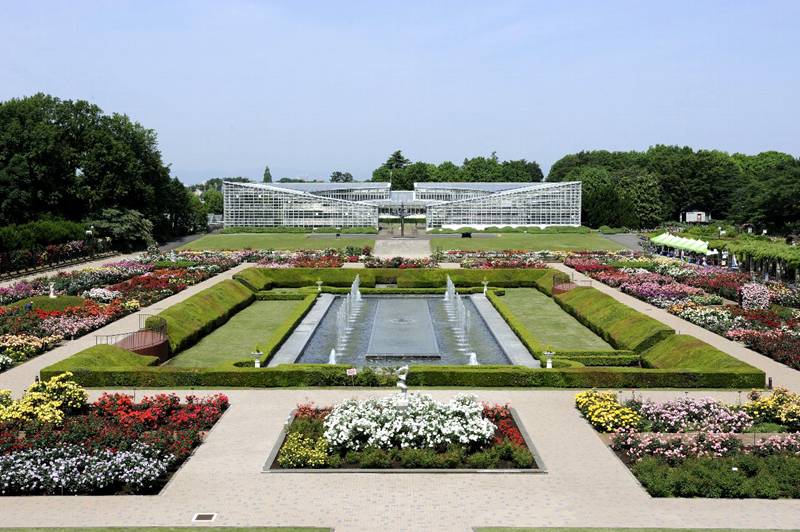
562	288
145	338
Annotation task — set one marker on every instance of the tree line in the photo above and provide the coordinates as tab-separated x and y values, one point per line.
643	189
402	173
68	160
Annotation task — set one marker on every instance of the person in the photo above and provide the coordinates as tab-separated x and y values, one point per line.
29	306
705	264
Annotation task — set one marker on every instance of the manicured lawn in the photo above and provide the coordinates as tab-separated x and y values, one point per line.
510	529
236	339
278	241
47	304
549	323
522	241
171	529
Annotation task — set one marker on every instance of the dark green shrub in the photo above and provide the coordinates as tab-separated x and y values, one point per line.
483	460
770	477
523	458
352	457
419	458
505	450
451	458
39	234
375	459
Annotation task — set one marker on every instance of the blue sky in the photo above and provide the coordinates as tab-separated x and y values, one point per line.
313	87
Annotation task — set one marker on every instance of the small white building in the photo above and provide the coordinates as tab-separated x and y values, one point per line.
695	217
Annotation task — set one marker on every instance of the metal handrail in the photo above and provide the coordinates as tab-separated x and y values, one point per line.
144	337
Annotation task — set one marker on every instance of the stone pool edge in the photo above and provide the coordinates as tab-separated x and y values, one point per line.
514	349
297	341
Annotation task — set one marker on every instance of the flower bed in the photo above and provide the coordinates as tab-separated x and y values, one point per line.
678	287
135	284
715	462
400	262
503	264
606	413
52	443
427	434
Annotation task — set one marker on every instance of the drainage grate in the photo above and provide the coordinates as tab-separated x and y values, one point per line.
204	518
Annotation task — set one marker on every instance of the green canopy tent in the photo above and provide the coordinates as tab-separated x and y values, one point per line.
670	240
680	243
660	238
700	247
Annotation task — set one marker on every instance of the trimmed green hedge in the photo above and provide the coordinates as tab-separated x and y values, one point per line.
584	358
271	346
190	320
601	358
99	356
545	283
615	322
408	291
525	336
684	351
437	278
302	375
258	279
280	296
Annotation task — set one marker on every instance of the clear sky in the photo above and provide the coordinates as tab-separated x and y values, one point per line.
310	87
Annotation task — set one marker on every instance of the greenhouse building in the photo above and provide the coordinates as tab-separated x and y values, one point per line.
446	205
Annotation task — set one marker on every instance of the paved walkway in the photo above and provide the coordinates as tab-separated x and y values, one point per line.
409	248
586	484
781	375
19	378
629	240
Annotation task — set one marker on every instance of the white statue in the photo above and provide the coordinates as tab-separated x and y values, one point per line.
52	290
402	374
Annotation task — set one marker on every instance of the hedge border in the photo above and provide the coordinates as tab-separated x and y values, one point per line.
230	295
660	330
587	358
305	375
279	335
408	291
266	295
